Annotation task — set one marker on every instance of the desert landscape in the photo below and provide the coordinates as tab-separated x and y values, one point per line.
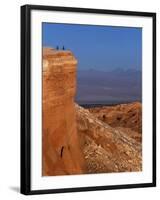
85	140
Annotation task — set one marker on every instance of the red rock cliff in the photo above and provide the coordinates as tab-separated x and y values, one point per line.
61	150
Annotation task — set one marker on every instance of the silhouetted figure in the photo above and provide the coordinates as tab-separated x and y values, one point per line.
57	47
63	48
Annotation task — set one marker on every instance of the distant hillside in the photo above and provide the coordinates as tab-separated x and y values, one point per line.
127	117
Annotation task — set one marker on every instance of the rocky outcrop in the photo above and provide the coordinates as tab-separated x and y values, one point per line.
61	151
127	117
106	149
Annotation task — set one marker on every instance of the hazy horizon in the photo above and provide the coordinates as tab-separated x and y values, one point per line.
109	59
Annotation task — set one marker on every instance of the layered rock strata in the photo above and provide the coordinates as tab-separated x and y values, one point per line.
61	151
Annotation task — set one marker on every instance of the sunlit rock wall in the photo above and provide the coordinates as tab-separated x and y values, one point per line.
61	151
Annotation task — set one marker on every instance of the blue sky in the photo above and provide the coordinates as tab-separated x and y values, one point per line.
102	48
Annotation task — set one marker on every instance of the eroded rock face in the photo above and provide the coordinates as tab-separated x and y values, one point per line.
106	149
61	151
122	115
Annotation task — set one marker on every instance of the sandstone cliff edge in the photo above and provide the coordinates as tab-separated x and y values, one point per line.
61	151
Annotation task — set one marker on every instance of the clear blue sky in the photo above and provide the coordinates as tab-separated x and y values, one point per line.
97	47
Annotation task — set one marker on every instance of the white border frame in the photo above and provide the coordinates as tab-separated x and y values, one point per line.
41	183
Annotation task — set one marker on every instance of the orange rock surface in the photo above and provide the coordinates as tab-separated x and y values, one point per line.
61	151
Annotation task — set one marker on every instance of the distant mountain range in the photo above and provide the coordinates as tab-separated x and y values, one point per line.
117	86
